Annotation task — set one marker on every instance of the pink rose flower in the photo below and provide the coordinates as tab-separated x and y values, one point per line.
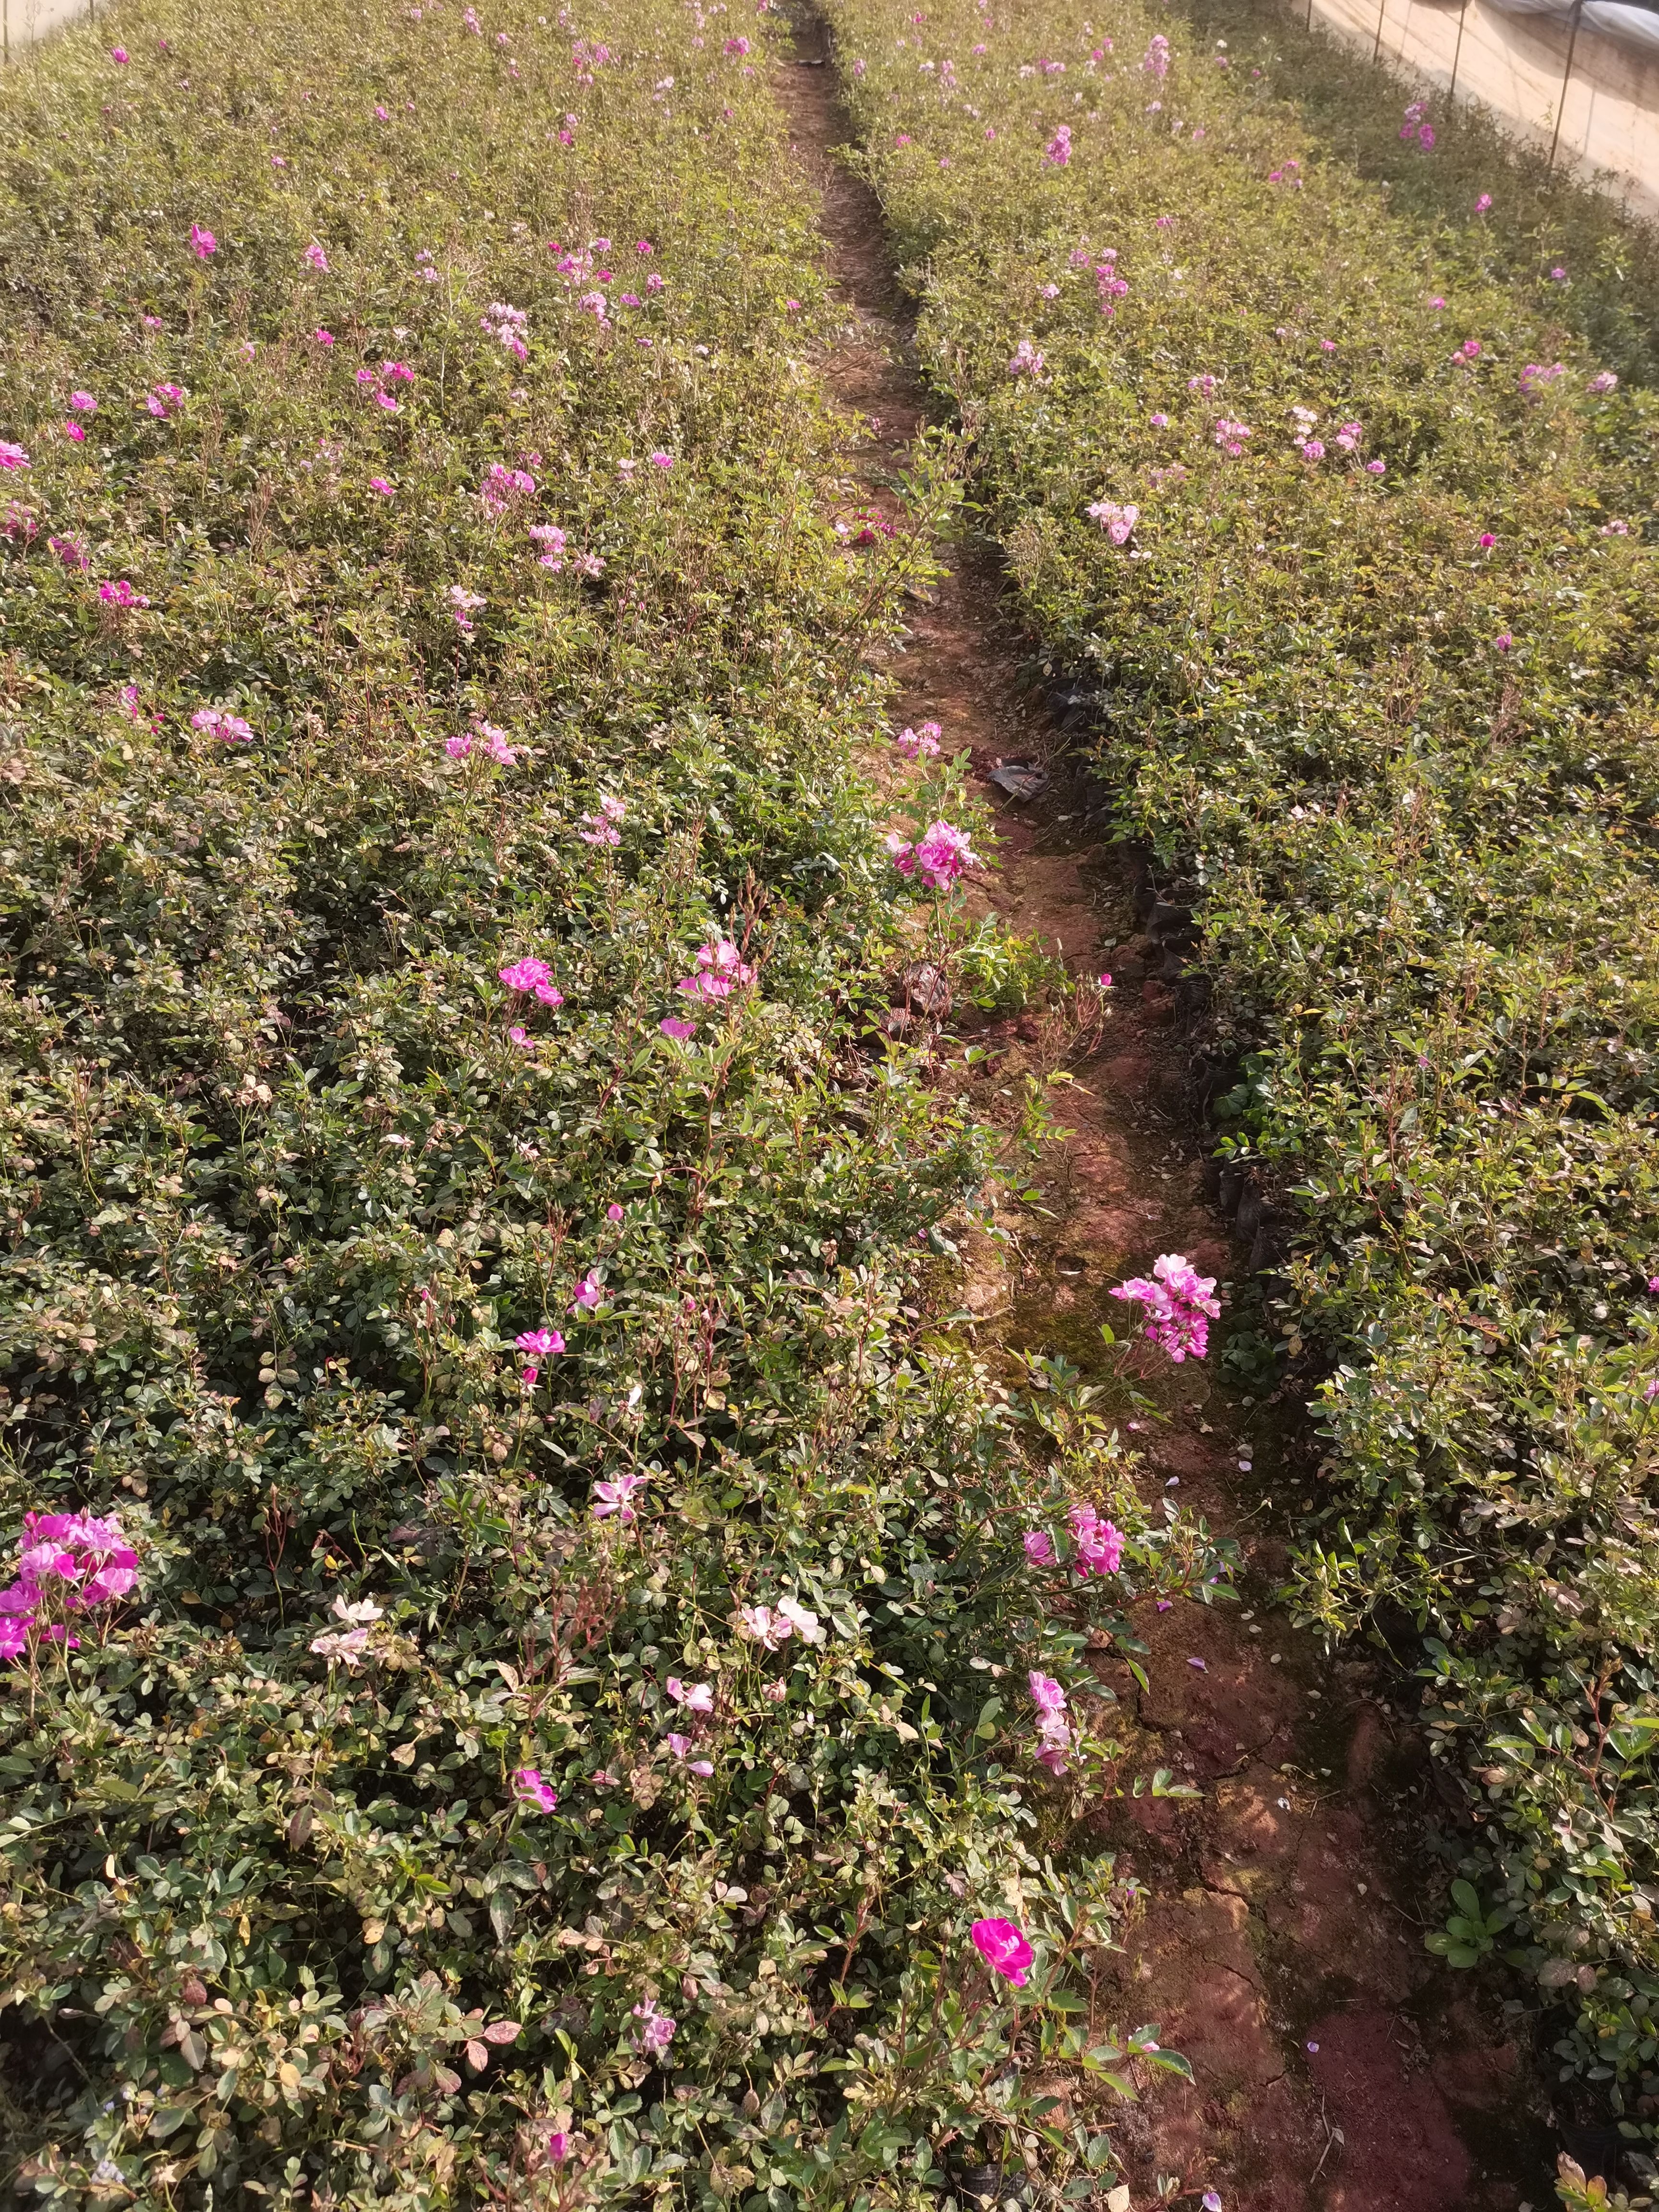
528	975
940	855
1180	1305
1099	1545
656	2031
1003	1948
617	1496
530	1789
545	1343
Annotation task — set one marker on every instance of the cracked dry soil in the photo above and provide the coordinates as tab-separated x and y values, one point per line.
1337	2067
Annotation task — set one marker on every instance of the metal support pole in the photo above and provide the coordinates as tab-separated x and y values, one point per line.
1307	26
1376	44
1566	74
1458	51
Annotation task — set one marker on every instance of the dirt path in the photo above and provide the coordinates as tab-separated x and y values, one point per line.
1338	2069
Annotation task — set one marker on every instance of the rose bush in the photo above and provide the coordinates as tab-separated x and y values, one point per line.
500	1700
1322	443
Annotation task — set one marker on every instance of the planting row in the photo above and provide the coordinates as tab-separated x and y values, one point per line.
520	1678
1329	485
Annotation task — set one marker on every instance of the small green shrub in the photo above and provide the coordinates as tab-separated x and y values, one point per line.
1579	2195
1002	971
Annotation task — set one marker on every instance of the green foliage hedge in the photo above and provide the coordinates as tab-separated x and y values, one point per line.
288	1168
1392	732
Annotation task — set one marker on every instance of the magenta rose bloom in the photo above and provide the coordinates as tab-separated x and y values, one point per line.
1003	1948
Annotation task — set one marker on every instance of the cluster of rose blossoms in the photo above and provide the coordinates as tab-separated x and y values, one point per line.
601	829
229	729
488	740
1348	439
504	488
939	856
691	1697
1180	1305
1099	1546
533	977
1054	1722
347	1644
1117	521
69	1562
1109	286
463	605
771	1627
720	969
374	382
543	1344
506	325
551	539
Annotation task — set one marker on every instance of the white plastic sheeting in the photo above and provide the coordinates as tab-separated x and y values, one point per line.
23	22
1623	20
1587	87
1638	27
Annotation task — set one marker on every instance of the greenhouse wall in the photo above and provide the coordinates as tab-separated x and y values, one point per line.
23	22
1606	125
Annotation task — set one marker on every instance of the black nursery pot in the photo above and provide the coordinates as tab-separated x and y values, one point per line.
990	2185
